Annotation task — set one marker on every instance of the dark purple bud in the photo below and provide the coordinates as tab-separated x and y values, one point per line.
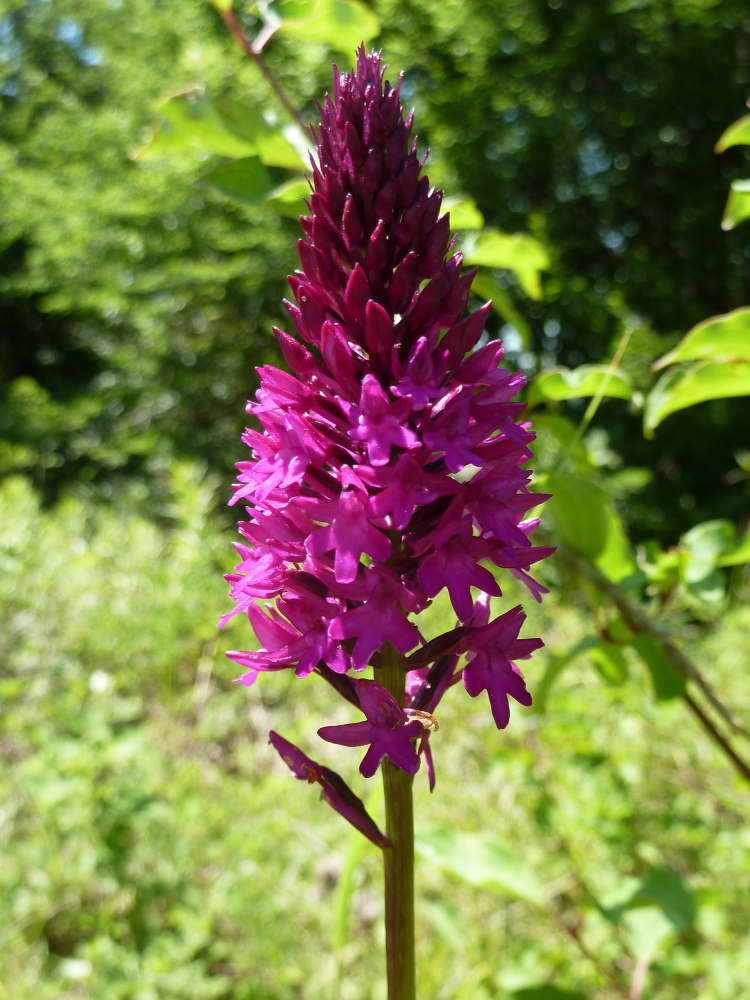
337	353
351	222
373	171
376	256
335	790
356	295
378	328
295	354
404	283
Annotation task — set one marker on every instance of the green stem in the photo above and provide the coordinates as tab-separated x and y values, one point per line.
398	860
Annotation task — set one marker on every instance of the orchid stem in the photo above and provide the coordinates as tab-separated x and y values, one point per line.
399	859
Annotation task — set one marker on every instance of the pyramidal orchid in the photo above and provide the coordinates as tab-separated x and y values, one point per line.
388	468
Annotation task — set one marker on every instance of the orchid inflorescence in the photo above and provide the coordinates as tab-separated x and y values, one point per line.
389	464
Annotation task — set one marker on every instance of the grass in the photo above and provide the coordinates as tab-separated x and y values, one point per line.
156	848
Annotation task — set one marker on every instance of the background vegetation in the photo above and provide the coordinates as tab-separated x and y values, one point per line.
152	847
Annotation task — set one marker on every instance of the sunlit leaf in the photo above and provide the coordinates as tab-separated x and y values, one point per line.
609	660
720	337
646	929
738	134
448	920
191	122
289	198
662	887
342	25
269	143
519	253
677	389
667	680
222	4
587	380
585	520
246	180
566	434
738	555
556	667
704	545
464	213
485	285
478	859
738	204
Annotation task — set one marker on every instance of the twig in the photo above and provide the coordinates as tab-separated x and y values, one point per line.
639	622
698	712
639	978
575	934
230	19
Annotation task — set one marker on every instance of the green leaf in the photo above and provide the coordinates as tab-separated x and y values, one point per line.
269	143
342	25
738	555
546	993
222	4
646	929
478	859
485	285
662	887
289	198
666	889
737	208
519	253
738	134
191	122
587	380
667	680
585	521
246	180
704	545
464	212
724	337
556	666
677	389
564	431
609	660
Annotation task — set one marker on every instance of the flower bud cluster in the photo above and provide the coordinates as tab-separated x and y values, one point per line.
389	466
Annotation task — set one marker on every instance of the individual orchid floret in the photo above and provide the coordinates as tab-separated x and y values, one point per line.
380	423
377	620
389	731
490	652
349	535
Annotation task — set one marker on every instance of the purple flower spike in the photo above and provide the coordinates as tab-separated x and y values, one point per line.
335	791
387	729
387	467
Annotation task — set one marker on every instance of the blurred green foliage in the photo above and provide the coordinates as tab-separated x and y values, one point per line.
150	185
154	847
137	302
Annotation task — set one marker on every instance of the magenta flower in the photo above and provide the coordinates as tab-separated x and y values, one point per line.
388	730
491	650
388	466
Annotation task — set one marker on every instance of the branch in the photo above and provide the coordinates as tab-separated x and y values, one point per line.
716	736
230	19
639	622
575	934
